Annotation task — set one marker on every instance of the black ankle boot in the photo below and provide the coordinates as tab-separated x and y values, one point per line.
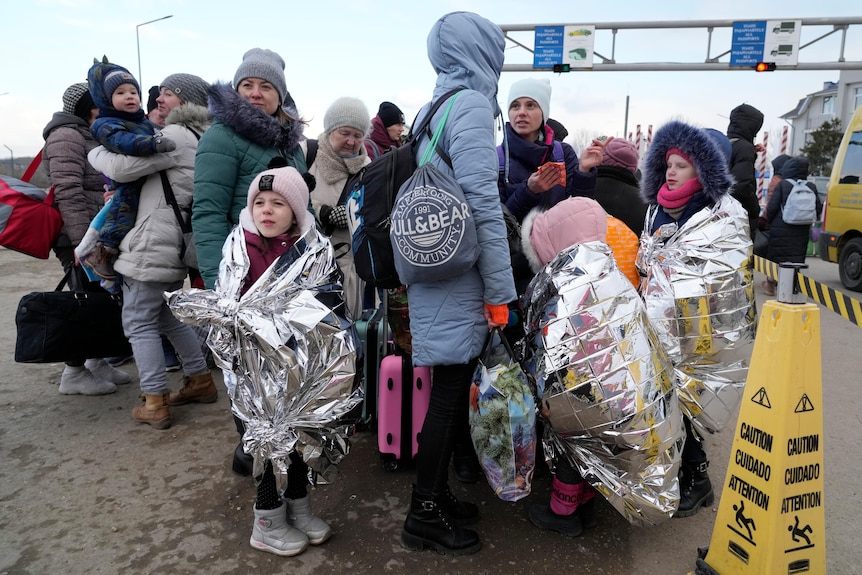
695	488
543	517
427	525
467	469
243	463
462	512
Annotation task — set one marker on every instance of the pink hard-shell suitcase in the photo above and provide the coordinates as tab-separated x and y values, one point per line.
403	395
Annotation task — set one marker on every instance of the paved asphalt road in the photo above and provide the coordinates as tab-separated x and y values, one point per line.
86	490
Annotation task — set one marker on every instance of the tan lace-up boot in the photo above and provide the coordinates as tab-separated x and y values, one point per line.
154	411
198	388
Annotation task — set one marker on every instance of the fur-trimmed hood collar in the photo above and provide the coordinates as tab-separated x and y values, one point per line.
546	233
249	122
192	116
712	170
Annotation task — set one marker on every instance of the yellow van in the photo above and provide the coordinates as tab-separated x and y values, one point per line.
841	235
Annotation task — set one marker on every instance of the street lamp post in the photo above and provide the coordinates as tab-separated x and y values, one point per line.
138	39
11	160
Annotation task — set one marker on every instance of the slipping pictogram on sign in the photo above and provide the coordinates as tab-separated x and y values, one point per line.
743	522
799	535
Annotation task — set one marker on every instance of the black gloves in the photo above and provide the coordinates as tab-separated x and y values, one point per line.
336	216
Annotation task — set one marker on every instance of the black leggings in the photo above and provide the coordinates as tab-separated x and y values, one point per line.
297	484
445	423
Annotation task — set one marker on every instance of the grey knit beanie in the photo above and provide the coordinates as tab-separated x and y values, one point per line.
346	111
263	64
73	95
116	78
188	88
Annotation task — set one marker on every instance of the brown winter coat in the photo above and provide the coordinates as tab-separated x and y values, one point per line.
78	187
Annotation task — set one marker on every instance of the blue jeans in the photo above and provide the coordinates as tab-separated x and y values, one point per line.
145	315
445	423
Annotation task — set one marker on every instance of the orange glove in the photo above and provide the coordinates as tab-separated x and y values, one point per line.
498	314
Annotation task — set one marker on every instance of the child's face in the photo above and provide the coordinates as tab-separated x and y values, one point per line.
126	98
272	214
678	172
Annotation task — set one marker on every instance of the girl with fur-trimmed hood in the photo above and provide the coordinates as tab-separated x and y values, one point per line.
695	255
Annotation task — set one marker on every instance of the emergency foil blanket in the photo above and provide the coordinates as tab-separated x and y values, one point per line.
699	296
288	357
604	383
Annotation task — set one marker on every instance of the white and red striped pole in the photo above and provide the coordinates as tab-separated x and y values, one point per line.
648	137
784	140
761	176
638	138
630	137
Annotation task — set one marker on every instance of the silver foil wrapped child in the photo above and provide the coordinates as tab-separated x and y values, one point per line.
604	382
287	352
700	297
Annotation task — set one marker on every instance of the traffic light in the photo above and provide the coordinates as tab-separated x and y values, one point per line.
558	68
765	67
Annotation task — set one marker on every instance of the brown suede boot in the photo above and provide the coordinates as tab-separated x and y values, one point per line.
154	411
198	388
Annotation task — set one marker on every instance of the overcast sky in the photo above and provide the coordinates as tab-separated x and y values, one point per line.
376	50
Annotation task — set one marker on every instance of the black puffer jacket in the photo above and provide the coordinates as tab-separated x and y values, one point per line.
618	191
745	121
788	242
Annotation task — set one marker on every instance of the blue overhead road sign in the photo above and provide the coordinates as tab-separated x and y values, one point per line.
548	46
747	44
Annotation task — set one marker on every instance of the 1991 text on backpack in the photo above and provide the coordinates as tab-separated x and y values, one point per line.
370	195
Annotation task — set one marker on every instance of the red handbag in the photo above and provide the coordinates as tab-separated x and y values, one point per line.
29	222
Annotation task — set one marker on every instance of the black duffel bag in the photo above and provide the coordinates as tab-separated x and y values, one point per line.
70	325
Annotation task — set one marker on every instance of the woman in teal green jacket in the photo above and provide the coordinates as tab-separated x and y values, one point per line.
255	127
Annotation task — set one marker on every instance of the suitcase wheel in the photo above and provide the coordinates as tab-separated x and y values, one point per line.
389	463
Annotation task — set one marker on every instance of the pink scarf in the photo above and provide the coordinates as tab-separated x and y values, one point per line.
680	196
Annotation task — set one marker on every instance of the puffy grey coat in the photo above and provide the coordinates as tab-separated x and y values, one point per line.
447	317
78	187
150	252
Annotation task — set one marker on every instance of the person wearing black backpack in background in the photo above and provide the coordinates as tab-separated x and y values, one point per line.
450	319
787	242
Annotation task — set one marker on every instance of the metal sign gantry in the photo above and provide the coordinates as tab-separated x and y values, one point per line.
712	62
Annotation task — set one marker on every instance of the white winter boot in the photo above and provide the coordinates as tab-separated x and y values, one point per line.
300	516
103	370
81	381
271	533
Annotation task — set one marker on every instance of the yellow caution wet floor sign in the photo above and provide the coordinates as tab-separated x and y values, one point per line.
771	517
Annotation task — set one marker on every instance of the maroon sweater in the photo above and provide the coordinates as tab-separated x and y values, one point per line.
262	252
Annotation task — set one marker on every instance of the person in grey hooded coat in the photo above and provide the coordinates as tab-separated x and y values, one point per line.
450	318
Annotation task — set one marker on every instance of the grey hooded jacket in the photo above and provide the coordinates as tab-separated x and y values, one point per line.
447	317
